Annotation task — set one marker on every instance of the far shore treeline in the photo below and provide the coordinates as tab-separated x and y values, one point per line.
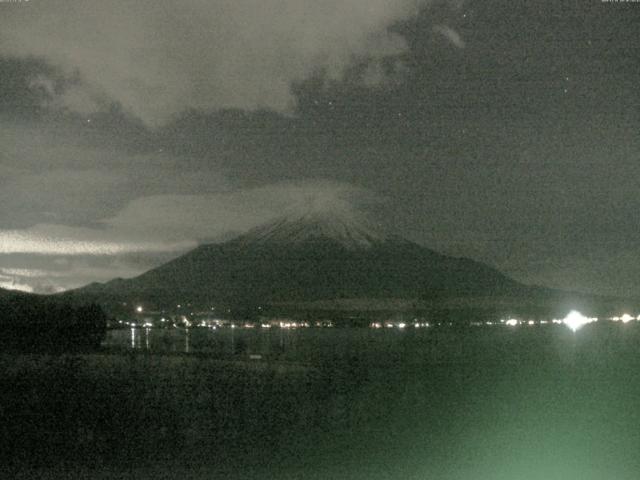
31	323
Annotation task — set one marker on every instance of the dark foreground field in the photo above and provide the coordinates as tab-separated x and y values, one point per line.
488	403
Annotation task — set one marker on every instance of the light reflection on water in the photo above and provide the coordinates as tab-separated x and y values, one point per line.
229	341
136	335
378	345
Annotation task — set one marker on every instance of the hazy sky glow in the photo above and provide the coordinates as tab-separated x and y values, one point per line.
503	131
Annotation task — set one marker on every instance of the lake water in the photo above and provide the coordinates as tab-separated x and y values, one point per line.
444	403
443	344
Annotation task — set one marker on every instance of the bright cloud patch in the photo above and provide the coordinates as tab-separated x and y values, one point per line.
158	57
57	240
10	283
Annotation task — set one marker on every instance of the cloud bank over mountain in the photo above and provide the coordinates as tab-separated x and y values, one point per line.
158	227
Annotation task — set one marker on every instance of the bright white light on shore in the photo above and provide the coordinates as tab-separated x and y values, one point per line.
575	320
626	318
512	322
402	325
139	309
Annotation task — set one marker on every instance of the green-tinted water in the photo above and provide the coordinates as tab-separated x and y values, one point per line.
486	403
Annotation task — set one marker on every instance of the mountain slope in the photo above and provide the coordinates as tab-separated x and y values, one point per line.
307	258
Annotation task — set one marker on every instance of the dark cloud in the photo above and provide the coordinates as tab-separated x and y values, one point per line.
20	95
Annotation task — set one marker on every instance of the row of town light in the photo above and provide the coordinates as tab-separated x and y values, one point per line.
574	320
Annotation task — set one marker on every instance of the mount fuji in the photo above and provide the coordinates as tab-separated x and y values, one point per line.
308	257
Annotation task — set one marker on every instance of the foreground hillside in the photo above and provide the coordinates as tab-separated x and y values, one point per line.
46	323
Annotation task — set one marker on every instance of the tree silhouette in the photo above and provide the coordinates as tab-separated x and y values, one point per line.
33	323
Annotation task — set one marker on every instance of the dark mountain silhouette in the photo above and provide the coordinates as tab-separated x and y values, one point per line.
305	258
32	322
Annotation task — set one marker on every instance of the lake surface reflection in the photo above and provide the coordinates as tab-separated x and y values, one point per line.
482	345
206	341
487	403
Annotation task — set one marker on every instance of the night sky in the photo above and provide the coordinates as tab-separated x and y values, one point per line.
505	131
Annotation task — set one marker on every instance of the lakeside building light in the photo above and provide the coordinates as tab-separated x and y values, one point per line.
626	318
575	320
512	322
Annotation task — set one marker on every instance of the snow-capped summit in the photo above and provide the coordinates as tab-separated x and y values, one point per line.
348	228
320	252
